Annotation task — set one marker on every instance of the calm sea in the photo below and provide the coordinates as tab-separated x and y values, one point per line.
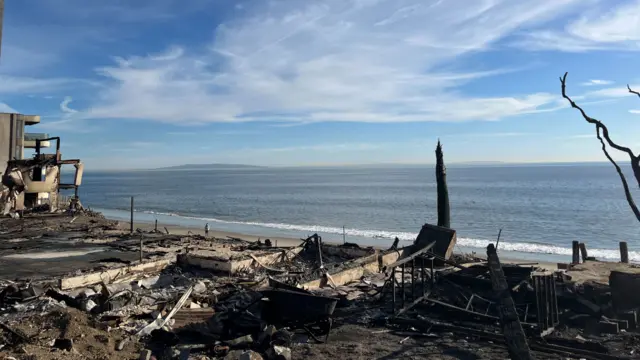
541	208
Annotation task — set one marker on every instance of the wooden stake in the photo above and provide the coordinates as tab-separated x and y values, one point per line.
512	331
576	252
156	228
141	236
132	214
583	252
624	252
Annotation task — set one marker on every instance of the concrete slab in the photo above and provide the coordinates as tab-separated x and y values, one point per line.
114	275
216	261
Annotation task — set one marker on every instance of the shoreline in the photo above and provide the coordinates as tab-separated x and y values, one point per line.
278	241
544	252
216	233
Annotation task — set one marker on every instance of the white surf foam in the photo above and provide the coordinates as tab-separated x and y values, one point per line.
526	247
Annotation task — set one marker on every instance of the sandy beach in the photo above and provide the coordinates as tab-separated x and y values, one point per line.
213	233
285	242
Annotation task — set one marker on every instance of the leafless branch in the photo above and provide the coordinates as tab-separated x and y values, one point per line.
605	131
634	159
623	179
632	91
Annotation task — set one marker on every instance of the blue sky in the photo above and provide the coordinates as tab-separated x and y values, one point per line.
150	83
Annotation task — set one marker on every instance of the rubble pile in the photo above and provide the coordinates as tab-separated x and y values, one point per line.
234	299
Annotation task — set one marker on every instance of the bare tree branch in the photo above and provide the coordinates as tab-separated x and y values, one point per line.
625	185
634	159
605	131
632	91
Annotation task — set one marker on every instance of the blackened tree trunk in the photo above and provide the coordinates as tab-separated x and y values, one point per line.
444	213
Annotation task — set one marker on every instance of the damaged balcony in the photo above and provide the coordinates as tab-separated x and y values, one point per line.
30	140
32	183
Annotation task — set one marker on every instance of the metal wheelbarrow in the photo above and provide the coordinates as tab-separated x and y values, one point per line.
299	309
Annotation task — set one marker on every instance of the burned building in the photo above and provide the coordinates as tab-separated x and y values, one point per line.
36	181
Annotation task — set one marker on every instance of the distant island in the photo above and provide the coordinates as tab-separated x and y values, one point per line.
210	167
379	165
479	163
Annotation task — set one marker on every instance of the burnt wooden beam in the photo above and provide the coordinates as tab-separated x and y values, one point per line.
575	246
444	210
583	252
511	328
624	252
543	347
406	259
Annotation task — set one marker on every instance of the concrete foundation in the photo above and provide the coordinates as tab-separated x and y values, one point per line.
358	268
211	260
115	275
346	252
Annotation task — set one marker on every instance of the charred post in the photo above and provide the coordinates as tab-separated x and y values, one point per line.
624	252
444	212
575	246
583	252
131	224
512	331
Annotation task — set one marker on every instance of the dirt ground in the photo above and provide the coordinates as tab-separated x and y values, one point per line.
89	342
353	342
598	271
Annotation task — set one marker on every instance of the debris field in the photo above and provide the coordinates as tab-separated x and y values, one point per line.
79	286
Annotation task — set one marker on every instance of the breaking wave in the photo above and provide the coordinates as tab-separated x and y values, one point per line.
525	247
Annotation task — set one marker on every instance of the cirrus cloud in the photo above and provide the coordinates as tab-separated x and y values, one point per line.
608	26
355	60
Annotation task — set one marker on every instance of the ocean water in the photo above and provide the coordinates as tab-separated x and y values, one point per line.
541	209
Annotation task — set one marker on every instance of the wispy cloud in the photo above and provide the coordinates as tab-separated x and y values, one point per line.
132	146
634	111
488	135
21	85
607	26
340	147
124	12
346	60
611	92
596	82
580	136
4	108
212	133
182	133
64	106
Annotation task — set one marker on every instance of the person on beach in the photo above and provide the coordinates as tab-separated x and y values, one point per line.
206	230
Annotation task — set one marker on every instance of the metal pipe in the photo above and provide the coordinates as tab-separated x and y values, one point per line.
393	286
424	287
413	279
402	283
433	282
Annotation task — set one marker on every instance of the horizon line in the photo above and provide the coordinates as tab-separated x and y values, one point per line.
460	163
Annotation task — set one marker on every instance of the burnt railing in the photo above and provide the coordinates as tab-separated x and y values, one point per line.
546	302
416	279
